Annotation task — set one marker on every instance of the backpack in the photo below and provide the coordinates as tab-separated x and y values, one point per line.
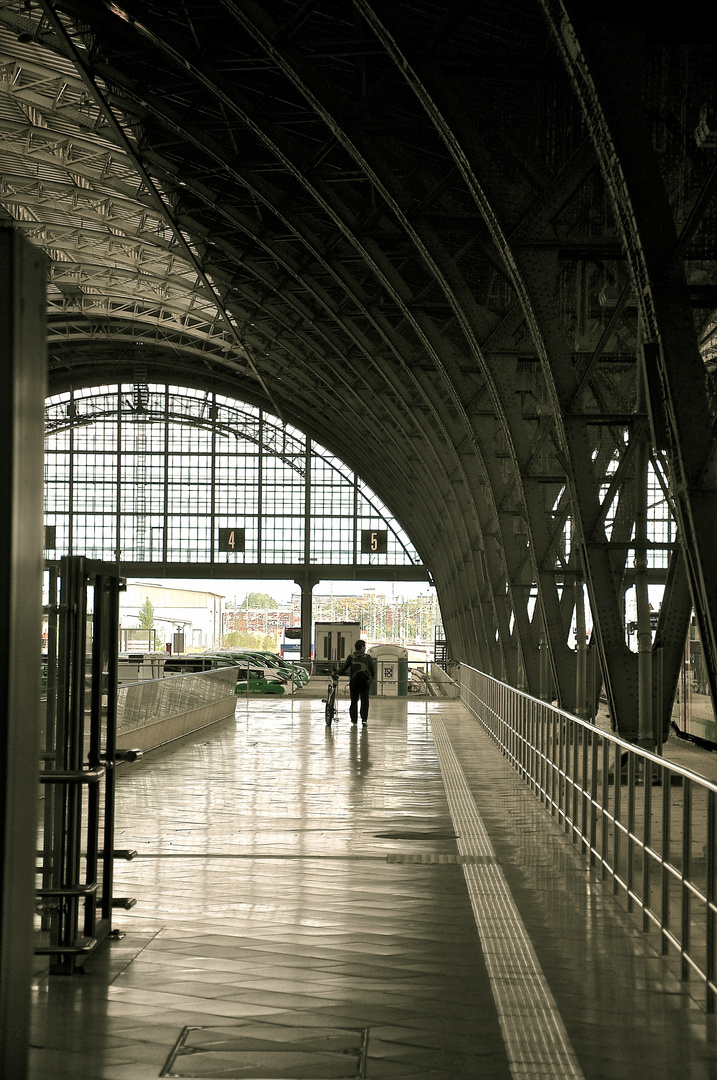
360	667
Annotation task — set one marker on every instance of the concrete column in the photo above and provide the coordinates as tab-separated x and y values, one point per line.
23	363
306	584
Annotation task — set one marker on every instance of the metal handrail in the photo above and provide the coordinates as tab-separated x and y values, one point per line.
648	824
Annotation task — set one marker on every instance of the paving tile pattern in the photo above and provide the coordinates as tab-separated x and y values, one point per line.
302	911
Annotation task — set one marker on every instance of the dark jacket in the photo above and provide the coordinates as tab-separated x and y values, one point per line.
351	664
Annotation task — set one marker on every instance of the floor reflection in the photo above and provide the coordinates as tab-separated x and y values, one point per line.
294	878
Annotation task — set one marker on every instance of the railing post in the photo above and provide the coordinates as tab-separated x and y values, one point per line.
562	770
575	732
665	910
647	843
585	779
685	902
711	928
595	742
605	830
617	802
630	852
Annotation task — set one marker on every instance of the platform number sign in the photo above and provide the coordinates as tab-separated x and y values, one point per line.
231	539
374	541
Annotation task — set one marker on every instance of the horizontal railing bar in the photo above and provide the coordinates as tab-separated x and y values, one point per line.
70	890
690	960
670	937
694	890
81	776
81	945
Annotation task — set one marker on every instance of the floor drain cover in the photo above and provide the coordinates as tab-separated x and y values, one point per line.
269	1052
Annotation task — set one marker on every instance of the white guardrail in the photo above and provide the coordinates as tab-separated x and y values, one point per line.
649	825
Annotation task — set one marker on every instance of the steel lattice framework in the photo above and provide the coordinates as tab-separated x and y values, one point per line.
470	248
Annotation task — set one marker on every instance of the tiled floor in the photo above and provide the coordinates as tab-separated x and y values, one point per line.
327	903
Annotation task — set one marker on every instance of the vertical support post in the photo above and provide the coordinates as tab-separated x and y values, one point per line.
581	677
53	609
711	945
645	728
685	893
306	584
67	841
647	863
660	696
104	730
213	413
260	493
665	912
23	364
120	482
546	680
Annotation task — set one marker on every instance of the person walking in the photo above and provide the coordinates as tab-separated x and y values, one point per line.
362	672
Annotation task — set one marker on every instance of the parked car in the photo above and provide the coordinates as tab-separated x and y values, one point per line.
250	679
256	659
254	681
297	669
299	674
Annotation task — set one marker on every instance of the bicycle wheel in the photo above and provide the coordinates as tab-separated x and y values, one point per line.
329	709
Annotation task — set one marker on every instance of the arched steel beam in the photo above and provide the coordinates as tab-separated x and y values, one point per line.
330	205
603	63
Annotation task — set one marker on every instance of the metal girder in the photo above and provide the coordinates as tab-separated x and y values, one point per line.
361	212
601	60
534	271
535	277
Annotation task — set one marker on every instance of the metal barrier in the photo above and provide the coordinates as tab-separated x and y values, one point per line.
649	825
153	712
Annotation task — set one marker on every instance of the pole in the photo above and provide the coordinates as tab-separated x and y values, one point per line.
645	730
581	677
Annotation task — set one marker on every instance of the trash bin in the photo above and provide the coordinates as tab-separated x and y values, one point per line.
391	671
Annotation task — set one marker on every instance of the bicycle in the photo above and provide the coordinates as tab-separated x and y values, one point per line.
332	713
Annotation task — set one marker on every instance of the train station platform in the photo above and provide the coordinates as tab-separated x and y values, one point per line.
382	903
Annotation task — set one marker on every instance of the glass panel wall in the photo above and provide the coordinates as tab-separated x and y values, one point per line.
152	473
